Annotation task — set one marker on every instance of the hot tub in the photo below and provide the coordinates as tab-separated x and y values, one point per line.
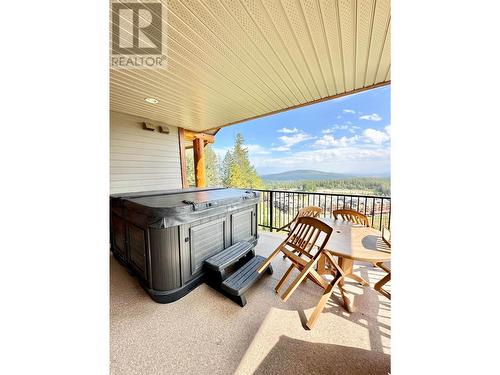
163	237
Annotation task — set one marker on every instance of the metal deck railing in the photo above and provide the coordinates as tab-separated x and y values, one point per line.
277	208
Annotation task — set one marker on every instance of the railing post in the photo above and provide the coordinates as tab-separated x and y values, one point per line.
389	220
381	213
270	209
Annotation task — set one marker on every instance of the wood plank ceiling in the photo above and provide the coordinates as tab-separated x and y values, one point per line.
231	60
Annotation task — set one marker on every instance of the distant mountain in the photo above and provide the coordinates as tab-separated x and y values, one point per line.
304	175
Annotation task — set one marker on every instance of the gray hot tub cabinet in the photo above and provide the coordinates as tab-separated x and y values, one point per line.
164	237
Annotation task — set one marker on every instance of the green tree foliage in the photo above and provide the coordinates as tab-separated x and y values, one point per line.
309	186
236	168
212	165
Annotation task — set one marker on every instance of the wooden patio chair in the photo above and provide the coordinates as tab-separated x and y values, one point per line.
308	239
386	237
309	211
352	216
301	240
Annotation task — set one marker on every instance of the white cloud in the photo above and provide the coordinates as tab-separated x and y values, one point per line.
281	148
330	141
348	111
335	127
288	130
291	140
347	126
326	140
372	117
257	149
376	136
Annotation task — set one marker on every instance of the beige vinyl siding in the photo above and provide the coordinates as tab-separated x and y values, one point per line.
142	160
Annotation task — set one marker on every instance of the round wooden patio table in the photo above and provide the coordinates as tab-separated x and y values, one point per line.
353	242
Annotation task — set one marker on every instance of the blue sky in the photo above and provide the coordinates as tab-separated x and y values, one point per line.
350	135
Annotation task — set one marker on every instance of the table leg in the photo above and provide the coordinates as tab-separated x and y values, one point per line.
347	301
346	265
359	279
380	284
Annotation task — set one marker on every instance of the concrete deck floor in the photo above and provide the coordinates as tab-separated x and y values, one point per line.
206	333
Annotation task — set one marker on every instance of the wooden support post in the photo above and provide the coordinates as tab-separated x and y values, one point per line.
199	162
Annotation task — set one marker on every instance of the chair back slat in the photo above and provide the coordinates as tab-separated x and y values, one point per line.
308	236
309	211
351	216
297	234
300	250
316	235
305	235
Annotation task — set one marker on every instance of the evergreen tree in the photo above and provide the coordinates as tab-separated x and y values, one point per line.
237	170
190	166
212	165
226	168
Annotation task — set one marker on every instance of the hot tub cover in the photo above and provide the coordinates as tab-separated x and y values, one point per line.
174	207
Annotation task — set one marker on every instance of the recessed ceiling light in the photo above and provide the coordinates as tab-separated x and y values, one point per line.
151	100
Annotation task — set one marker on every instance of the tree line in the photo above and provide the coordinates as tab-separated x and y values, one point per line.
377	186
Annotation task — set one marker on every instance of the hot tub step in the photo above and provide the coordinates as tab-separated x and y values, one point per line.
219	262
242	279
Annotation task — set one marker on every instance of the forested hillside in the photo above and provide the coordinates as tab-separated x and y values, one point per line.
354	185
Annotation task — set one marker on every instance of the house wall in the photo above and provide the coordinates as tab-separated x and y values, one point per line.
142	160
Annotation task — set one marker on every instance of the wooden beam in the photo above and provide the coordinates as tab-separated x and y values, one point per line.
191	136
199	163
182	157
